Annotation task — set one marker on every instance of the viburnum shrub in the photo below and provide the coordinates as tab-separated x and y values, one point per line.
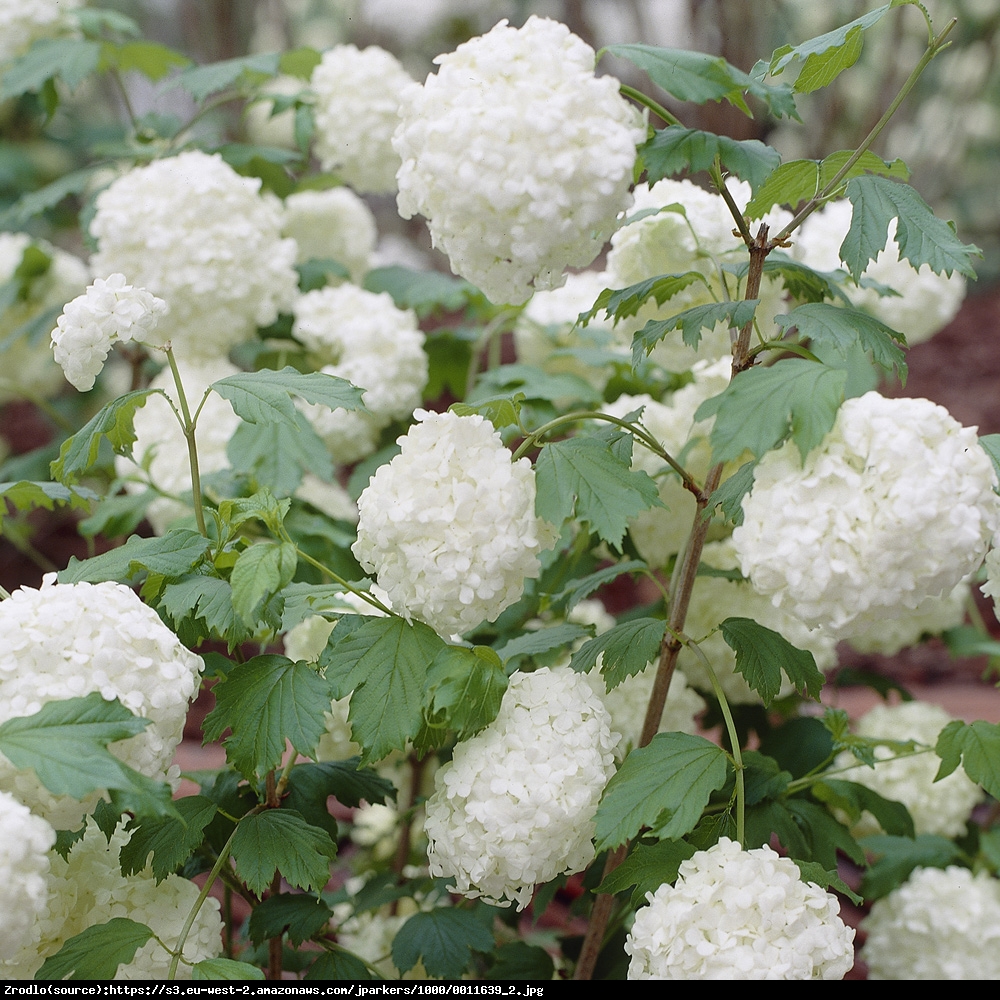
455	555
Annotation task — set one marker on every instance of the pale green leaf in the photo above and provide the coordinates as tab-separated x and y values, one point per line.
897	857
583	587
543	640
676	149
422	291
200	81
691	322
151	59
170	555
265	396
25	495
729	496
35	202
977	747
95	953
465	687
70	59
620	303
277	454
260	572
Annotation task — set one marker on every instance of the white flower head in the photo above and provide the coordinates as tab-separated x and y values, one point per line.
939	924
736	914
334	224
109	312
895	505
23	22
68	640
357	110
518	156
192	230
25	841
449	526
515	806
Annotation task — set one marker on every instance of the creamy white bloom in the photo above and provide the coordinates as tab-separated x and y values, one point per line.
939	924
991	588
937	807
68	640
364	338
25	841
449	526
334	224
23	22
87	888
193	231
109	312
895	505
518	156
926	302
736	914
357	109
515	806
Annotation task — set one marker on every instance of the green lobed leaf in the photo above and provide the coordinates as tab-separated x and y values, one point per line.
465	688
768	818
691	322
729	496
265	396
533	383
627	648
923	238
171	555
207	599
265	701
854	799
444	938
25	495
579	475
763	777
676	149
897	857
422	291
762	407
171	839
799	745
65	744
383	664
500	411
813	871
543	640
258	574
338	965
824	834
801	282
620	303
299	915
35	202
976	746
96	953
583	587
666	784
261	506
224	968
72	60
699	77
762	655
119	515
518	960
310	785
114	422
200	81
281	840
647	868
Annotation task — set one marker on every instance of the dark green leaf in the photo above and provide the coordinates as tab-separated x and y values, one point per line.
543	640
35	202
171	839
25	495
279	839
519	960
627	648
762	655
97	952
813	871
340	964
466	687
825	835
729	496
117	515
666	784
444	938
171	555
299	915
922	237
260	572
579	475
422	291
691	322
770	817
967	640
266	396
647	868
676	149
763	777
265	701
977	747
897	857
224	968
209	599
200	81
799	745
310	785
583	587
70	59
762	407
854	799
620	303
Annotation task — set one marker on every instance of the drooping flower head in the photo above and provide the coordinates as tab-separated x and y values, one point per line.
518	156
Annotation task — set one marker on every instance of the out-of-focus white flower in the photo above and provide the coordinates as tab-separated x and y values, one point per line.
364	338
23	22
515	806
328	498
449	526
736	914
87	888
358	96
895	505
68	640
196	233
263	126
518	156
334	224
160	449
991	588
25	841
939	924
109	312
927	302
937	807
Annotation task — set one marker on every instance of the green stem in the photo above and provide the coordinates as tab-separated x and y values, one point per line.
727	197
126	100
363	594
782	345
658	109
189	429
491	332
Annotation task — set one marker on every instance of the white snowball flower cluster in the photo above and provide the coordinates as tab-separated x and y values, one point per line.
357	109
895	505
109	312
991	588
87	888
364	338
27	360
937	807
926	303
334	224
23	22
160	450
518	156
939	924
449	526
196	233
515	805
25	841
736	914
68	640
